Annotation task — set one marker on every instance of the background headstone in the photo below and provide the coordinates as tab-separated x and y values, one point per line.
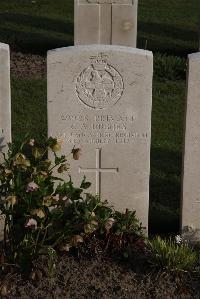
99	99
109	22
191	159
5	101
5	107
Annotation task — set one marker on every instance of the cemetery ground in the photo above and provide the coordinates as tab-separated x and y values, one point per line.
169	27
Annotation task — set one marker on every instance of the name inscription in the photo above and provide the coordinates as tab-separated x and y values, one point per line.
100	129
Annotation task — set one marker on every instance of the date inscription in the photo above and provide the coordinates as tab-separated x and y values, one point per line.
100	129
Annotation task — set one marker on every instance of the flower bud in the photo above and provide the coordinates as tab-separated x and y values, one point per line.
109	224
75	240
7	172
47	201
37	153
38	212
56	146
46	163
63	167
65	247
32	142
20	160
91	227
76	153
11	200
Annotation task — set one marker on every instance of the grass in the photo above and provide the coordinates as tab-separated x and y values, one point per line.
37	25
169	27
29	106
166	150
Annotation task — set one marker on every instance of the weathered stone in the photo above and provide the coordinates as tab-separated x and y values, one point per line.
5	101
5	107
111	22
191	168
99	99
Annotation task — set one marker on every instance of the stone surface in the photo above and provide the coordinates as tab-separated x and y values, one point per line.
109	22
5	107
5	101
99	99
191	167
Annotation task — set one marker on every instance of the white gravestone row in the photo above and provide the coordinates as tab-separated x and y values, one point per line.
191	158
109	22
99	99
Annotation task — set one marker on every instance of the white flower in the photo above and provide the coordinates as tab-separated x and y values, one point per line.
178	239
109	224
56	197
31	223
64	198
32	142
32	187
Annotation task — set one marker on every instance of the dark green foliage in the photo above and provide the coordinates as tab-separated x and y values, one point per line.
29	109
42	217
169	67
170	27
168	255
36	26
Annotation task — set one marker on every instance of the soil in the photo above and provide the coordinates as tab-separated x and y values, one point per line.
98	278
28	65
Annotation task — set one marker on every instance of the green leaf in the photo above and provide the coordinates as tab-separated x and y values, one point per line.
84	184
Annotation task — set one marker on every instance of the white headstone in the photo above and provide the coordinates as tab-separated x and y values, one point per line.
99	100
5	101
109	22
5	107
191	165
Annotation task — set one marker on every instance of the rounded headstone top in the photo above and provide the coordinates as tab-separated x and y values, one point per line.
4	46
194	56
103	48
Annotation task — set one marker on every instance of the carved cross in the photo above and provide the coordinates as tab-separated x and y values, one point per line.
98	170
105	22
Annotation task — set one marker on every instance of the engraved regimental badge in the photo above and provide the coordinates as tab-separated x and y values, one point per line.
100	85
